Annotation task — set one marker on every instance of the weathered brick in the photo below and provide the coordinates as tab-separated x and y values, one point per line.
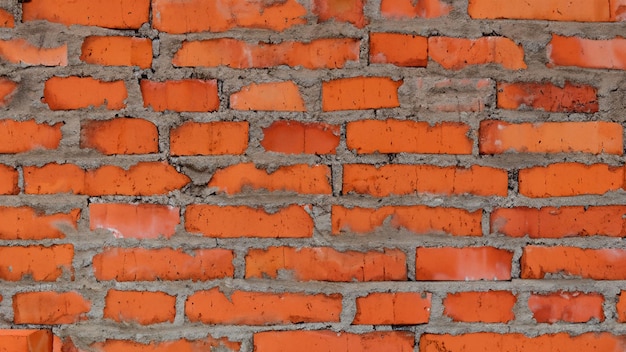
400	9
26	340
26	223
192	95
183	345
552	10
571	307
398	49
120	136
7	20
20	51
8	88
397	308
140	221
454	94
24	136
117	51
587	53
141	307
480	307
39	262
360	93
599	264
49	308
294	137
458	264
486	50
350	11
547	96
273	96
68	93
569	179
311	341
209	138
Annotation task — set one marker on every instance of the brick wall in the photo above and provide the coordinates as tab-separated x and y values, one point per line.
312	175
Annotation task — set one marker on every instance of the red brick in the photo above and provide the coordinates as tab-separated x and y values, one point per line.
418	219
493	342
621	307
553	222
397	308
120	136
458	264
480	307
7	20
8	177
399	9
50	308
273	96
292	221
183	345
26	340
547	96
350	11
316	54
24	136
140	307
326	340
470	94
486	50
326	264
398	49
571	307
209	138
410	179
139	264
360	93
20	51
143	178
140	221
552	10
298	178
119	14
38	262
63	345
587	53
294	137
498	137
26	223
8	89
192	95
598	264
117	51
68	93
396	136
261	308
569	179
173	16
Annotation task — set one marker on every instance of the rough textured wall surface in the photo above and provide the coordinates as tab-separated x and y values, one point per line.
312	175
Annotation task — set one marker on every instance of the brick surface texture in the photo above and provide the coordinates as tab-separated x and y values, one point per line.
312	175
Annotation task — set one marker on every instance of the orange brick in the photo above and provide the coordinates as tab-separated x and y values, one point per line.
480	307
8	183
316	54
39	262
552	222
326	264
410	179
139	264
493	342
398	308
7	20
121	135
119	14
261	308
571	307
273	96
359	93
294	137
209	138
470	94
587	53
7	89
470	263
183	345
396	136
399	9
569	179
24	136
552	10
418	219
140	221
26	340
173	16
350	11
299	178
192	95
398	49
486	50
597	264
141	307
498	137
63	345
117	51
26	223
326	340
621	307
547	97
20	51
50	308
242	221
143	178
68	93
